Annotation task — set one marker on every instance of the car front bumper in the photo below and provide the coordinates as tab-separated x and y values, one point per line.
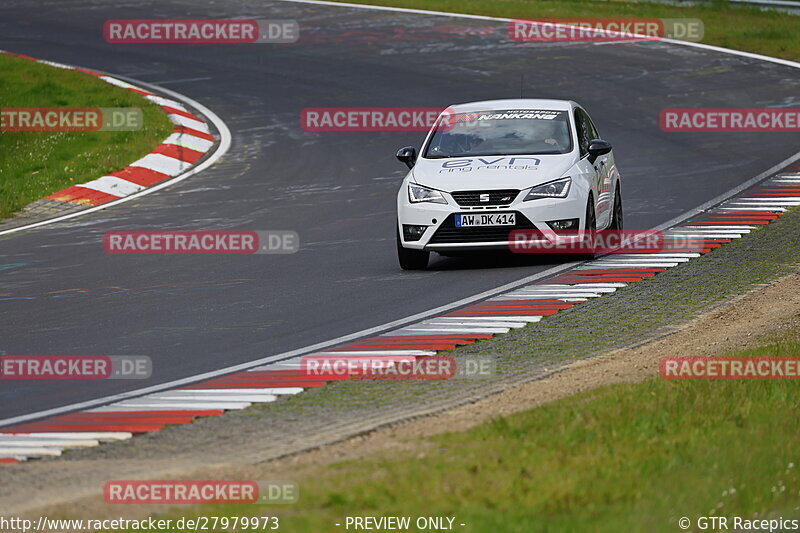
441	235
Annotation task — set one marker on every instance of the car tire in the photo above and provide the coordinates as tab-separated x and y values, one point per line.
590	226
616	216
411	259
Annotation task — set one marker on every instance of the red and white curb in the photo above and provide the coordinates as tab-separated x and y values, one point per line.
189	142
477	321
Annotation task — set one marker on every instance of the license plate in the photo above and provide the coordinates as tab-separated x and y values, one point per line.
486	219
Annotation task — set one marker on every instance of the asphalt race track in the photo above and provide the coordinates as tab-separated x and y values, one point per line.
61	294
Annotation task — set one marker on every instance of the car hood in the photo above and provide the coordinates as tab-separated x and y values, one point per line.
491	172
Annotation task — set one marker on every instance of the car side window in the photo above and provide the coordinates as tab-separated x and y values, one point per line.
592	130
582	129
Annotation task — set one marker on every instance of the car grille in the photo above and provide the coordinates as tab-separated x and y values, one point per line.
449	233
501	197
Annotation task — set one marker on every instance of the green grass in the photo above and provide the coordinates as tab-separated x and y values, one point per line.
35	164
740	27
633	457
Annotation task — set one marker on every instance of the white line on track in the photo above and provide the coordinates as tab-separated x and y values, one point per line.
159	100
548	296
210	398
162	163
417	330
563	290
189	141
636	265
624	262
572	298
187	122
143	404
387	353
30	437
656	256
764	209
118	408
592	284
504	318
23	444
224	393
768	200
112	185
714	227
101	435
30	452
488	322
701	235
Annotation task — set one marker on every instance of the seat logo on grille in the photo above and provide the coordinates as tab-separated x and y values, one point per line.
484	197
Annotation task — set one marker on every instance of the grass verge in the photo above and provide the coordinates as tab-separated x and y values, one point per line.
633	457
37	163
740	27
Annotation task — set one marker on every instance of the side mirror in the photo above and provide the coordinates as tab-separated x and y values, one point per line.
407	155
598	147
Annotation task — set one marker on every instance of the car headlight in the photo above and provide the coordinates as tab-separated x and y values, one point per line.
553	189
418	193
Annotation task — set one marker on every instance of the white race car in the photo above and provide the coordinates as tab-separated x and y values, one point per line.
488	168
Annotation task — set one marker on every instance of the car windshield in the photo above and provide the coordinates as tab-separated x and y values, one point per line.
501	132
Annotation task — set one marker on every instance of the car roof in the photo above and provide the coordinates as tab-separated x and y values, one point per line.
519	103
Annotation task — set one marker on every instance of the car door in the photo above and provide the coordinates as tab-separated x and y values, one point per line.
603	167
587	170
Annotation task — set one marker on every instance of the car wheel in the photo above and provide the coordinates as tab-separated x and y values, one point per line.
590	229
411	259
616	217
